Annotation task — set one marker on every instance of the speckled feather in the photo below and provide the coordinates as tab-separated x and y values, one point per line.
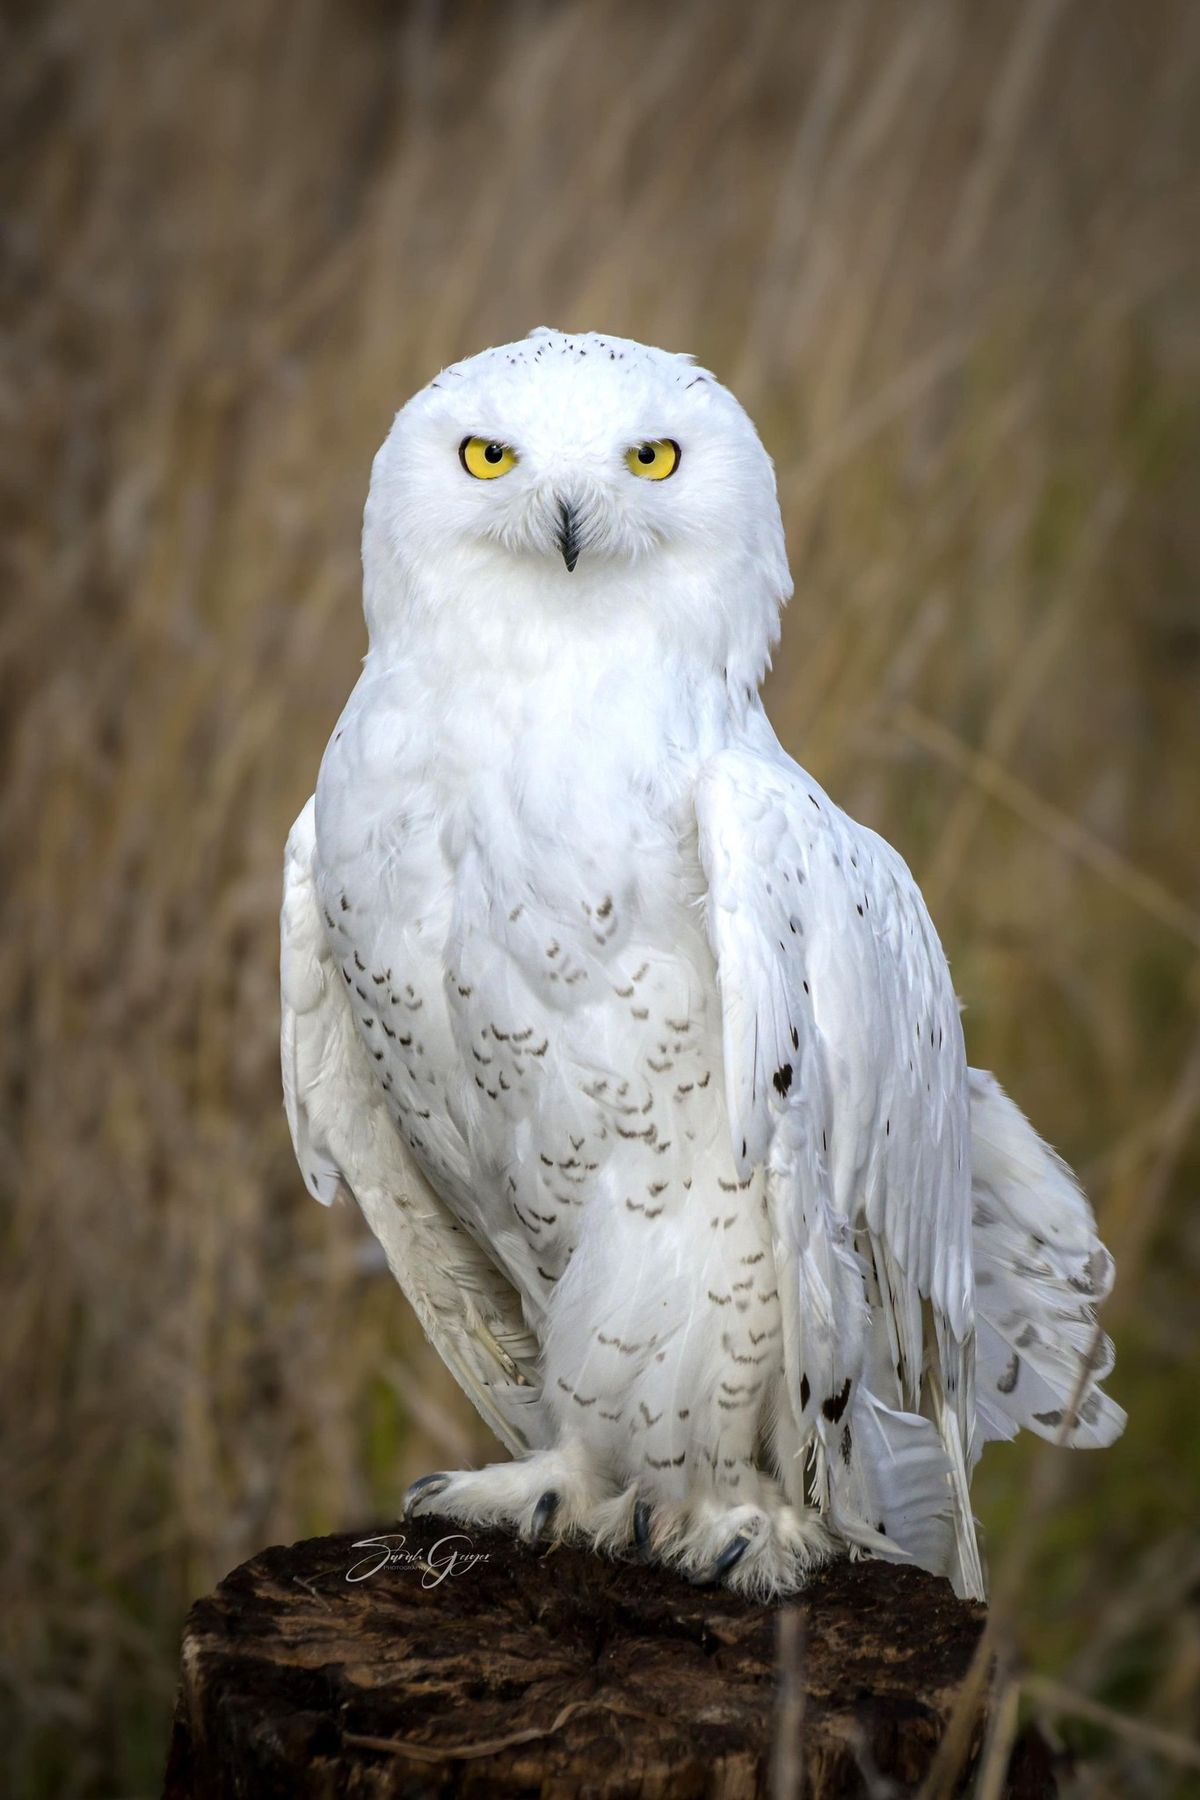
642	1058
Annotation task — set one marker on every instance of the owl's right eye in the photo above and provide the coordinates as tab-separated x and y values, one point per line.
484	459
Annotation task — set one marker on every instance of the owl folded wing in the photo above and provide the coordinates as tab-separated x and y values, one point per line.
344	1138
846	1077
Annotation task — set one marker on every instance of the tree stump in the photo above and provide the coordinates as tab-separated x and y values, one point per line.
429	1661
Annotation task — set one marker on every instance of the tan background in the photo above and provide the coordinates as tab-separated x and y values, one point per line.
946	255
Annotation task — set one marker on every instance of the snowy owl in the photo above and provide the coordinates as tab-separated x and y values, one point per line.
641	1058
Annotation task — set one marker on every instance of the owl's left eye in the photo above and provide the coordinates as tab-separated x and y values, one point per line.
654	460
484	459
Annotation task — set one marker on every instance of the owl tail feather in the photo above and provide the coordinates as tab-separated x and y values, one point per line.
1040	1273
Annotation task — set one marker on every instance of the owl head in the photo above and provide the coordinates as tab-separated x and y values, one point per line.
566	484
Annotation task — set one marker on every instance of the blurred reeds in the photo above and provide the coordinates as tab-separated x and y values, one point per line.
946	255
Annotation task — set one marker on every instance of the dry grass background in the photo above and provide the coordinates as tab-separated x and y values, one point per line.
946	253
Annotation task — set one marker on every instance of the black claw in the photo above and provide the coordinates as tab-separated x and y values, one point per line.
427	1488
729	1558
543	1512
642	1515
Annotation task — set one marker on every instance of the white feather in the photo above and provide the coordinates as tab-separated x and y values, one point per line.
1041	1271
342	1135
839	1012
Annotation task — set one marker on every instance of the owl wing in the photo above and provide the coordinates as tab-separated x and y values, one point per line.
343	1137
846	1077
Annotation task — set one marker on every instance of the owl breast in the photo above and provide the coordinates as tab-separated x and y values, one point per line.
528	973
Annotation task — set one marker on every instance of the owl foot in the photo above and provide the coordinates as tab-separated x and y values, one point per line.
760	1551
552	1493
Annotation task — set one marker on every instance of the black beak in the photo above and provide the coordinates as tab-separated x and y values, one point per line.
568	534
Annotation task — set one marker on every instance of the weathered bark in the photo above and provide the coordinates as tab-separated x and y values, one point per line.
552	1673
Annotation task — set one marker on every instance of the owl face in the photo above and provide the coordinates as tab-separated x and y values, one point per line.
554	469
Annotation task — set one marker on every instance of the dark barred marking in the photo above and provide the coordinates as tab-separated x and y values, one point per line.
835	1405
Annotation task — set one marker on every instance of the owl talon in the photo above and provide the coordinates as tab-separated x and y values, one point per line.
729	1558
427	1488
543	1513
642	1517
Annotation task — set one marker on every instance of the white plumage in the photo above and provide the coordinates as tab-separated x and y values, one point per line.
640	1057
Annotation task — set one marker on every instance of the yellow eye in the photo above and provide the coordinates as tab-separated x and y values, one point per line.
486	460
654	460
